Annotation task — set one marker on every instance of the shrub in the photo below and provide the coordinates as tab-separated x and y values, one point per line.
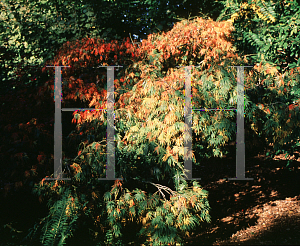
149	132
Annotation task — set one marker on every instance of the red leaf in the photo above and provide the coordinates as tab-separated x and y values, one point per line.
291	107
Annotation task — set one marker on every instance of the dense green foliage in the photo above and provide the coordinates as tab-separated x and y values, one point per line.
266	30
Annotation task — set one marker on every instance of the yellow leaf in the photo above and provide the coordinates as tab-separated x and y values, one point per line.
166	157
161	138
131	203
144	221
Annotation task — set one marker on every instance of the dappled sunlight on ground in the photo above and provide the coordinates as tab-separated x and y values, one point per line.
263	211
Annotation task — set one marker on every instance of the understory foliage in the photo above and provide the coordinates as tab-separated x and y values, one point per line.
149	124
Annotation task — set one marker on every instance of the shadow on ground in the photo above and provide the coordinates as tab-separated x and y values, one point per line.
229	200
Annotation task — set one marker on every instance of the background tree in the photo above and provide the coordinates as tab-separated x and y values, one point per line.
266	30
32	31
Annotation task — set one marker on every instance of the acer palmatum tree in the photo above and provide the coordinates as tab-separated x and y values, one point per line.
149	124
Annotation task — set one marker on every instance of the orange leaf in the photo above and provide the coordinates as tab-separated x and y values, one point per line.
291	107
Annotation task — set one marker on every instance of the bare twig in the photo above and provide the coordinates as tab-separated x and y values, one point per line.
165	188
132	41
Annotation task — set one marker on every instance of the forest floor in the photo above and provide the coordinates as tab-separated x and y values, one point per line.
262	211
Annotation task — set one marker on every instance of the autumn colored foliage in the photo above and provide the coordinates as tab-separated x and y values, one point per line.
153	197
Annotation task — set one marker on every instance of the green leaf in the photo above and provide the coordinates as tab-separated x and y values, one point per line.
89	13
107	196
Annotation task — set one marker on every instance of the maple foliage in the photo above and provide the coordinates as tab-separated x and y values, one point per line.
151	116
149	120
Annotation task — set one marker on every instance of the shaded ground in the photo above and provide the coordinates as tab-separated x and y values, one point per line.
265	210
